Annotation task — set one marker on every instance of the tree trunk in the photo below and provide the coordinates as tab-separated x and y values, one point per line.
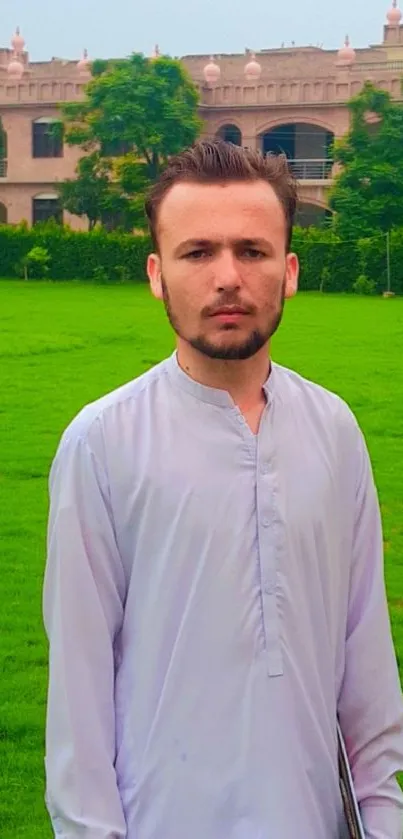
155	165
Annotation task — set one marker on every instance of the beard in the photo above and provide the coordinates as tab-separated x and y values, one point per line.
232	351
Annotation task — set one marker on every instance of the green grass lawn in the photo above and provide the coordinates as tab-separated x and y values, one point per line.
62	346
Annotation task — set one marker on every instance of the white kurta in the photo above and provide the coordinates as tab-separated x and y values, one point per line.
213	599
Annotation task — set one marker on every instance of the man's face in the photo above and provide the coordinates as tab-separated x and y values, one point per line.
222	269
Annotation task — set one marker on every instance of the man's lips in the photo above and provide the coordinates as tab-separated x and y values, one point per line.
228	311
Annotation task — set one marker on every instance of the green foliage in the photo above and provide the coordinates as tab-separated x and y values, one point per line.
363	285
328	264
56	130
76	255
148	105
325	278
367	195
3	142
136	113
98	196
35	264
100	275
87	194
325	260
331	264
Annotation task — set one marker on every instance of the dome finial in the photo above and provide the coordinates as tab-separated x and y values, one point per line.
253	69
394	15
346	56
83	65
212	71
17	42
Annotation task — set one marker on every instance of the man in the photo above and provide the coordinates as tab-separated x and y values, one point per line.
214	594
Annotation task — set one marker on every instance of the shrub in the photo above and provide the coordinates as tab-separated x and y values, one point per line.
325	260
99	275
363	285
333	265
35	264
74	254
327	263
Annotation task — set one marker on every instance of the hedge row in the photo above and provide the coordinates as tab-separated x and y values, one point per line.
326	262
74	255
333	265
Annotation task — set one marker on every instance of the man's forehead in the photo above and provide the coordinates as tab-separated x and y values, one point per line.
252	192
198	205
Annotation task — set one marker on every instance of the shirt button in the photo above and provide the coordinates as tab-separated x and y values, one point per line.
264	468
266	522
269	588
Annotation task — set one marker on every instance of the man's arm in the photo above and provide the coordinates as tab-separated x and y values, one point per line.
370	701
83	610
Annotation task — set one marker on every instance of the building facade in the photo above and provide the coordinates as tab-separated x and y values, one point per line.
291	99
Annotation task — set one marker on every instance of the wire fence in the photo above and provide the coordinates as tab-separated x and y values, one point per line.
372	265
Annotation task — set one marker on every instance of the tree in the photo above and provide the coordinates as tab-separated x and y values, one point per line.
367	195
97	194
136	113
87	194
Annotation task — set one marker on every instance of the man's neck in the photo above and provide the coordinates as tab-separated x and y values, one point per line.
243	380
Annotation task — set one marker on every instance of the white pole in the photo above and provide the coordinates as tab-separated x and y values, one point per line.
388	260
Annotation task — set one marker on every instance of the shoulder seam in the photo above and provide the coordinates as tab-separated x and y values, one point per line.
82	434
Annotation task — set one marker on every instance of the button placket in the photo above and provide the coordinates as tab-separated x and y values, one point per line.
268	536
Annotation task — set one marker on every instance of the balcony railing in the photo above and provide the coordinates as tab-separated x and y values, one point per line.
304	170
397	64
312	169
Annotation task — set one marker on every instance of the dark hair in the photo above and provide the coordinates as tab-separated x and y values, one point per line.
217	161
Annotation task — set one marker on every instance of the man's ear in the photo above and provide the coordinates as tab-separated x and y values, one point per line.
154	275
291	275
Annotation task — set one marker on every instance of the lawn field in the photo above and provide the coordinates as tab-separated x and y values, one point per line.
64	345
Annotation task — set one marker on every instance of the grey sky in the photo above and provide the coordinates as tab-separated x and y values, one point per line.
119	27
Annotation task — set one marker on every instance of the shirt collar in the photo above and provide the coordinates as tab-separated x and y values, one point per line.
211	395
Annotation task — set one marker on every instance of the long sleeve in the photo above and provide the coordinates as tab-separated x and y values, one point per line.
83	609
370	703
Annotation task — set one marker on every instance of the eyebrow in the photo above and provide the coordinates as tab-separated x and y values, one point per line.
199	244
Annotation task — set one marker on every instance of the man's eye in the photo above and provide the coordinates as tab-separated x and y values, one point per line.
195	255
252	253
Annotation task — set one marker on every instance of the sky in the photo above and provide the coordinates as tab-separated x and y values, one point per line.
116	28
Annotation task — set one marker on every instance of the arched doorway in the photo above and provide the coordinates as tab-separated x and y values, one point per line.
231	134
312	215
308	148
3	213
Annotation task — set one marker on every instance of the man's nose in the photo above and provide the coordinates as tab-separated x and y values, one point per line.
227	277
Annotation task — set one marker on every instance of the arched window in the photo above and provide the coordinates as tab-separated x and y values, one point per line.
47	137
231	134
46	206
308	147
